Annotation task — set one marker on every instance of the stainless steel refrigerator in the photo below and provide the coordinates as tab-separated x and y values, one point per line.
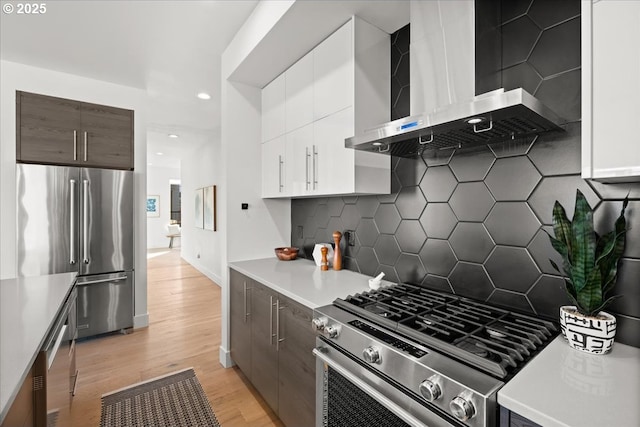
80	219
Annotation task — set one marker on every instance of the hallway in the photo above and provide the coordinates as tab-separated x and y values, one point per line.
184	331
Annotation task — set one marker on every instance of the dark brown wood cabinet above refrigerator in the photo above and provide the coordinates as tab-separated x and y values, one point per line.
60	131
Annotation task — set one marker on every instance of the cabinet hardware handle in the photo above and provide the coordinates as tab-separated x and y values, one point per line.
85	221
271	304
75	145
86	137
75	384
315	169
72	222
278	339
280	162
246	312
306	165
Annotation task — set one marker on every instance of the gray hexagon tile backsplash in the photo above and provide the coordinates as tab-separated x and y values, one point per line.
474	223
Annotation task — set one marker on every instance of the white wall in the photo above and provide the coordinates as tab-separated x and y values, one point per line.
202	248
158	184
14	77
251	233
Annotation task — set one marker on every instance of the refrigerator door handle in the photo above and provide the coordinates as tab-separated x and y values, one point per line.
108	279
72	222
85	221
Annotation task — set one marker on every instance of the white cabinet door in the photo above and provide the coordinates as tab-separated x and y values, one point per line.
273	109
611	90
274	164
334	164
299	93
333	73
299	144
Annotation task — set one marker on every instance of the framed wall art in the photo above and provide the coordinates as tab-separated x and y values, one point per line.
210	220
199	208
153	206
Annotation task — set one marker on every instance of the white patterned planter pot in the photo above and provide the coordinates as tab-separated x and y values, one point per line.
589	334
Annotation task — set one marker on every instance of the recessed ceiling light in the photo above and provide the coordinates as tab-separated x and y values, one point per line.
159	153
203	95
475	120
173	135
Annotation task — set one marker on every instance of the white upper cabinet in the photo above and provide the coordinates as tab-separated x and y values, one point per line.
336	91
300	150
276	180
299	93
273	109
333	73
610	90
334	164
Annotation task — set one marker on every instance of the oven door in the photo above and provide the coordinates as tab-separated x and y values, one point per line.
349	394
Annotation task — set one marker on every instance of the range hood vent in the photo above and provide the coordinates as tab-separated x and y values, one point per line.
492	117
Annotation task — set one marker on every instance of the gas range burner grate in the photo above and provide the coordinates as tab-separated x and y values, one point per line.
487	337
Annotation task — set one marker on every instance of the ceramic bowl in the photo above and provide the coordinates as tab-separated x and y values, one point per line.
287	253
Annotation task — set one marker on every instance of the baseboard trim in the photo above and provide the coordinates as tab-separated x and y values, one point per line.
225	358
202	269
140	321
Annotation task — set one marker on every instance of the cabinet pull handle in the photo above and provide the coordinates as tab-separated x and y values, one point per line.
278	339
85	221
306	165
246	312
86	137
272	335
72	221
280	163
315	169
75	145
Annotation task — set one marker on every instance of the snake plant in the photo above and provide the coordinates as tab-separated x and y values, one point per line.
589	261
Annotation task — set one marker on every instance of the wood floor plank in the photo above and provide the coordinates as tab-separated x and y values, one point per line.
184	331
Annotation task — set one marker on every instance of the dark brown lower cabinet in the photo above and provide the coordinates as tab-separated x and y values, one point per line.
296	365
273	348
21	412
511	419
264	355
240	320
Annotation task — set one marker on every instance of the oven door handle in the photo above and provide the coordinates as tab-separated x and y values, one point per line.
375	394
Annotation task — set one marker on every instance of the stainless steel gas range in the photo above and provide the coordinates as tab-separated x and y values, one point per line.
405	355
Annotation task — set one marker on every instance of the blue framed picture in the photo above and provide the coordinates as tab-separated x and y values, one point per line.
153	206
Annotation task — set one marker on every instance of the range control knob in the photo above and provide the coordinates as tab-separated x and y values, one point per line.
462	408
331	331
371	355
318	323
430	389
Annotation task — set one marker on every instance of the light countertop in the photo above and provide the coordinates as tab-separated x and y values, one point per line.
563	387
28	308
302	281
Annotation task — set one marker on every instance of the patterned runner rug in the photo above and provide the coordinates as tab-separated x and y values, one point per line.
173	400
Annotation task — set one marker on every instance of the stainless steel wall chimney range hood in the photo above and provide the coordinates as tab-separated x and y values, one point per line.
446	39
491	117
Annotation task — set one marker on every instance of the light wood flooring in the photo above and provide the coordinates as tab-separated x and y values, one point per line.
184	331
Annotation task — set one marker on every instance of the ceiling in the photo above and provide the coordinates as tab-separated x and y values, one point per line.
170	48
173	49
